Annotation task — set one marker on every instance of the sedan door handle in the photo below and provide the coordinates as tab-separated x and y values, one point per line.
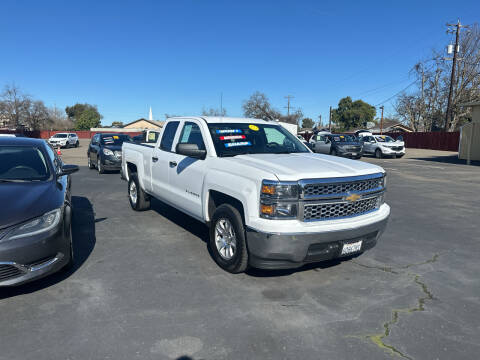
173	163
154	159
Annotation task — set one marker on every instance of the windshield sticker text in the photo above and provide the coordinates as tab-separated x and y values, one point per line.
232	137
229	131
241	143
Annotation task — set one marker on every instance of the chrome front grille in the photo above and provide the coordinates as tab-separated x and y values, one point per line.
334	198
314	190
9	271
342	209
397	148
118	154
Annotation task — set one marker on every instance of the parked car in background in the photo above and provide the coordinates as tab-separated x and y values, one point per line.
64	140
36	211
105	151
305	142
268	201
346	145
382	145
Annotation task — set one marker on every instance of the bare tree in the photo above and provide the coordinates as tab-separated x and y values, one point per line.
214	112
425	110
14	106
37	116
258	107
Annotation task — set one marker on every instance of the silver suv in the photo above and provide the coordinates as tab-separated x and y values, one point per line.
64	140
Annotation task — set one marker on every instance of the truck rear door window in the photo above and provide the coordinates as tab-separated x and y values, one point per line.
169	135
191	134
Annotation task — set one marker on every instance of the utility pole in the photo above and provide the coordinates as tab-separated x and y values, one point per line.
330	120
458	26
320	123
381	121
288	97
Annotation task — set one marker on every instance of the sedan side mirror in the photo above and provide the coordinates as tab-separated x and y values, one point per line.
67	170
191	150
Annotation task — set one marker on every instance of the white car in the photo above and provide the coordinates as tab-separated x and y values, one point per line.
382	145
268	200
64	140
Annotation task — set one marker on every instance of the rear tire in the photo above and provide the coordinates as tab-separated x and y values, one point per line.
227	240
378	154
138	199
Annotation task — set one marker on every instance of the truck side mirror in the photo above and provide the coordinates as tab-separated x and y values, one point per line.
191	150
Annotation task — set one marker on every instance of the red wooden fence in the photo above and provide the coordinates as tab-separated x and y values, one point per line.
447	141
45	134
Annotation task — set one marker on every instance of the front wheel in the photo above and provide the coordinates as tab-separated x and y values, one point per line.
227	241
139	200
89	162
100	168
77	144
333	152
378	154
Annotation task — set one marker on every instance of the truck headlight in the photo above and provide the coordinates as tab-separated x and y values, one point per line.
278	200
44	223
108	152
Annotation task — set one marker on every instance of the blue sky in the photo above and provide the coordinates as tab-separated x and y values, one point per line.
178	56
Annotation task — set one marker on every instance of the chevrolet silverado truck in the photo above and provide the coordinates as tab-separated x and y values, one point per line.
269	202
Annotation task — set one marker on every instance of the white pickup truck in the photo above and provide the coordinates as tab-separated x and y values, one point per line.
268	200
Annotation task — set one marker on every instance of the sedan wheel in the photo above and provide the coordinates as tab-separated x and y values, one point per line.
100	167
378	154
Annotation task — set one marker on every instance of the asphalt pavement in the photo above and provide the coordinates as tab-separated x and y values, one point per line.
145	287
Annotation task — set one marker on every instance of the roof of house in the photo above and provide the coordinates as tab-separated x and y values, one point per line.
153	122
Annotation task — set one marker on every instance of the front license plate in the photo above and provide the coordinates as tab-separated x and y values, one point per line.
351	248
354	154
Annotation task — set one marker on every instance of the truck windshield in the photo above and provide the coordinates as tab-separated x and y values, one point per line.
232	139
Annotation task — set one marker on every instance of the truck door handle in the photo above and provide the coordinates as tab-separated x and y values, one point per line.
154	159
173	163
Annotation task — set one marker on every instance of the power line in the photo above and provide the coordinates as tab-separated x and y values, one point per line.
391	97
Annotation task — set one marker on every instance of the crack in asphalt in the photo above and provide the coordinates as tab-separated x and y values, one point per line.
378	339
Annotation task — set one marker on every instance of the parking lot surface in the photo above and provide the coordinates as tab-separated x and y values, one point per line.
145	287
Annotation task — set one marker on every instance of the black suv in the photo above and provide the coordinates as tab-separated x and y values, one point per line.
105	151
346	145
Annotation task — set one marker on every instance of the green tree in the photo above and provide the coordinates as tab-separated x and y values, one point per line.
84	116
88	119
307	123
351	114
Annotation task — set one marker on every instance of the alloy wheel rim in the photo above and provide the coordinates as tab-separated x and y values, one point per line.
133	192
225	239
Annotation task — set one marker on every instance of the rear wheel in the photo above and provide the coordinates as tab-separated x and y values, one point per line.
378	154
139	200
227	241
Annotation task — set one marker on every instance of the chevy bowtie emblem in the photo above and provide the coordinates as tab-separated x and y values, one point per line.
352	197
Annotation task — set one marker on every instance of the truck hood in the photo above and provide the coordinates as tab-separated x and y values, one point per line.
293	167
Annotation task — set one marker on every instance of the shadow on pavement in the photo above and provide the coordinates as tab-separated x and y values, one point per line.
179	218
449	159
83	236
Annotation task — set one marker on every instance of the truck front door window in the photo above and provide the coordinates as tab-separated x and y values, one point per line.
191	134
169	135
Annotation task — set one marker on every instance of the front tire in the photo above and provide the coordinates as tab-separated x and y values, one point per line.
77	144
333	152
227	241
100	168
378	154
89	162
138	199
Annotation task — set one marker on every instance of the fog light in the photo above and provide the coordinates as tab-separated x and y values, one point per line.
267	209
